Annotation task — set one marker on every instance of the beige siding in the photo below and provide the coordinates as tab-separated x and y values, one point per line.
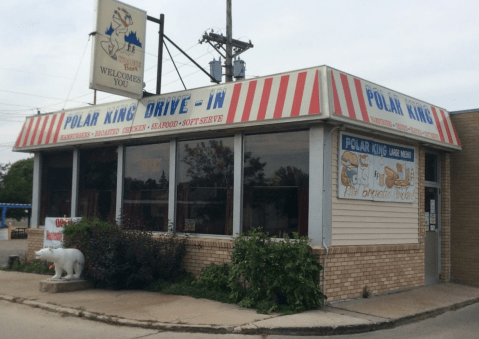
358	222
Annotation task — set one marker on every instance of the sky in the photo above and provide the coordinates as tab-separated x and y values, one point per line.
426	49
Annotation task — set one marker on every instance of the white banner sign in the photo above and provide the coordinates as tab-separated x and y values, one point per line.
118	53
53	235
4	234
371	170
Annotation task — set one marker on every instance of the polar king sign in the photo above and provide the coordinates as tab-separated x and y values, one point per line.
306	95
118	52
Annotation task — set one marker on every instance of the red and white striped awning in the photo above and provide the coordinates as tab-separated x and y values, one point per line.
312	94
366	102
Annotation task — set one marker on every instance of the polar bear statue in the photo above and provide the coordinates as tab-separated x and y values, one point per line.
68	259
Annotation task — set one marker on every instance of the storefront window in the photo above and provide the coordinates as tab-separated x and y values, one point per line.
276	182
97	184
56	186
205	186
431	167
146	186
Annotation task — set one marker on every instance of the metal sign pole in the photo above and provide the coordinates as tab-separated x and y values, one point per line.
161	22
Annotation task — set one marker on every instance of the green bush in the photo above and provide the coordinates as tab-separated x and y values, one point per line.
186	285
215	278
125	256
33	266
268	274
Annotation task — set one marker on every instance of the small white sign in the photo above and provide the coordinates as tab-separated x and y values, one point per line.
433	206
53	235
4	234
118	53
190	225
426	218
432	218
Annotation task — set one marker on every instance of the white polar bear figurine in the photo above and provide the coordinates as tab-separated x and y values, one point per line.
68	259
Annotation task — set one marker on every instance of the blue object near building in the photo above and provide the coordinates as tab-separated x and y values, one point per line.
6	206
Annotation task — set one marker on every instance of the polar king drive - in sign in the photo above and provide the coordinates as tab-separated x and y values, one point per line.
311	94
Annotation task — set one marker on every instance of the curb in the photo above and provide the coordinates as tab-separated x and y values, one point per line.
247	329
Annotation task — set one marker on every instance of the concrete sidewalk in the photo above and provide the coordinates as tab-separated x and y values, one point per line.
186	314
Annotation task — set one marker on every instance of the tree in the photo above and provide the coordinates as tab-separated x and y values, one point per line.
3	171
16	182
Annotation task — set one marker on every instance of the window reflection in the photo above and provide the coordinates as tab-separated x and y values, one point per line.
276	182
56	186
97	184
146	185
205	186
431	167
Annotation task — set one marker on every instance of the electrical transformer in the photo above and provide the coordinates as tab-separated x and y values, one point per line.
215	69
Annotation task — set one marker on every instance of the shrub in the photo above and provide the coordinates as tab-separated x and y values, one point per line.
267	274
125	256
186	285
272	275
215	278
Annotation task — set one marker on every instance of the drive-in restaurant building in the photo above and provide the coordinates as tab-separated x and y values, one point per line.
363	171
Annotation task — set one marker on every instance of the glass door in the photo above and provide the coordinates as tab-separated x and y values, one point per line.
432	213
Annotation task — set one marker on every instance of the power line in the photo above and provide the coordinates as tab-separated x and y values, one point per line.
77	72
39	96
36	73
14	110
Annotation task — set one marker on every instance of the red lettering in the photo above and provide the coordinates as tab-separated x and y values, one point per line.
54	236
62	222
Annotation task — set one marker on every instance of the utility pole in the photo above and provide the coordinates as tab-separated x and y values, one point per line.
160	54
229	46
233	47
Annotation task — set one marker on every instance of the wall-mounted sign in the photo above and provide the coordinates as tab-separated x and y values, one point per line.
118	53
372	170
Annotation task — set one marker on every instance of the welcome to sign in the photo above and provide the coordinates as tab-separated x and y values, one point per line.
118	54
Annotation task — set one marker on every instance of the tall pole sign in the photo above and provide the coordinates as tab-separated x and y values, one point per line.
118	53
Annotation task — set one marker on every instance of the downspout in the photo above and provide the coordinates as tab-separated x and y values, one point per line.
330	221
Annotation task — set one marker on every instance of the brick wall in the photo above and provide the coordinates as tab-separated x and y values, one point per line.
465	201
445	218
201	253
382	268
35	241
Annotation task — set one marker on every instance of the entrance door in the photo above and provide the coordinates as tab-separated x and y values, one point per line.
432	215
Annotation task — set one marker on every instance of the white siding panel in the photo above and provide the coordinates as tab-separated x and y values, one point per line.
358	222
358	242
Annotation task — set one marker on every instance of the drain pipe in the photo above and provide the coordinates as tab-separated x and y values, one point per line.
324	268
330	221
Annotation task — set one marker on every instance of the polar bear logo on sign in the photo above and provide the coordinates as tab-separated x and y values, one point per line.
116	41
68	259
